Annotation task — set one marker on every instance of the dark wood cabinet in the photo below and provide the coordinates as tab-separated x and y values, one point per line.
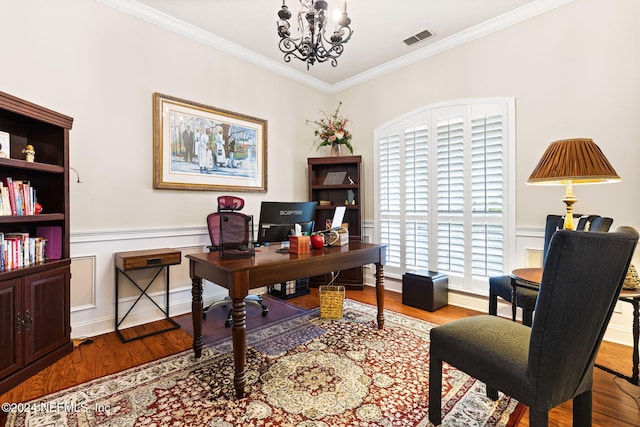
35	326
337	181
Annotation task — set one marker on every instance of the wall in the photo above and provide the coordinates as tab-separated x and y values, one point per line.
573	72
101	67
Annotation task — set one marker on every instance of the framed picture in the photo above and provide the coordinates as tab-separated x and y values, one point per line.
198	147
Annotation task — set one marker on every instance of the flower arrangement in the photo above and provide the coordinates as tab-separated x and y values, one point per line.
331	130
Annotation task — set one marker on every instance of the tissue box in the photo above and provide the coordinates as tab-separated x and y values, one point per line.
299	244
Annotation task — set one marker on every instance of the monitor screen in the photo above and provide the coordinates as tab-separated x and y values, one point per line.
277	219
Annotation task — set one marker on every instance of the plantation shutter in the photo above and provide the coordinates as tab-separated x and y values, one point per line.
416	180
487	183
451	199
389	204
442	192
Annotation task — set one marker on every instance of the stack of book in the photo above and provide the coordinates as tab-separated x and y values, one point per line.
18	250
17	197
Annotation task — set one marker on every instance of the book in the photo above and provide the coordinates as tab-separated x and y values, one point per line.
3	267
17	190
8	182
6	204
5	145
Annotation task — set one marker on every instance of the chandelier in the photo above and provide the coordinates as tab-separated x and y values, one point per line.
313	45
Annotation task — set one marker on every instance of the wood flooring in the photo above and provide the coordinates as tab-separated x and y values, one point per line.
615	401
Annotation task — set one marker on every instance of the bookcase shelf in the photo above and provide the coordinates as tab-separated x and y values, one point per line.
31	219
35	326
35	166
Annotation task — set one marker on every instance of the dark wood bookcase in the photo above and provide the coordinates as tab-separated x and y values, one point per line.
331	182
35	326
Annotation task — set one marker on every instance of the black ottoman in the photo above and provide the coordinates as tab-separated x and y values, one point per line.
427	290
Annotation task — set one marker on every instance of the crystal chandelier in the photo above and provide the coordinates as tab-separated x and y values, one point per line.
313	45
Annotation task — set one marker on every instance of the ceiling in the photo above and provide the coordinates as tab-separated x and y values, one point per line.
247	28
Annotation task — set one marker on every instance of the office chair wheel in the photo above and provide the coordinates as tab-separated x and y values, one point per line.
227	323
265	310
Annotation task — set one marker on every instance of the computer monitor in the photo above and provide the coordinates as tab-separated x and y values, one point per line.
277	219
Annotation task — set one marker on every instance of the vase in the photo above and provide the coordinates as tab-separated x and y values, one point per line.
335	150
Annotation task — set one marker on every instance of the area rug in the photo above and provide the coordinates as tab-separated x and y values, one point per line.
302	371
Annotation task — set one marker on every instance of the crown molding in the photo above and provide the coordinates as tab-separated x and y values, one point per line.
153	16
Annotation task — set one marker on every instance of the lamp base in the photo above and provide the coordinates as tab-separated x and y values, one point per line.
569	200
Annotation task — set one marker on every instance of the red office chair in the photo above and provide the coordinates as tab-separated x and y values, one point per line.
231	234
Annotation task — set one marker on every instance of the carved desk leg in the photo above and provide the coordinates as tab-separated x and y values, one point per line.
196	313
380	294
239	337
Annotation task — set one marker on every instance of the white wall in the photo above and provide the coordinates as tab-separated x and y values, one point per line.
573	72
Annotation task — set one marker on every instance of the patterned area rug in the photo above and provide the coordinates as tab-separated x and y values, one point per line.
303	371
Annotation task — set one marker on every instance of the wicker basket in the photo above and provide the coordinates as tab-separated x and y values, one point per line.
331	300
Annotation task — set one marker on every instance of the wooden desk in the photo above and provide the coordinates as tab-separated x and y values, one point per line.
266	268
530	278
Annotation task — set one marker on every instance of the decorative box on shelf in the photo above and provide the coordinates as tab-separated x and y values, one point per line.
338	237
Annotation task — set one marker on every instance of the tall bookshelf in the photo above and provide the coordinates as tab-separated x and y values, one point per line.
337	181
35	326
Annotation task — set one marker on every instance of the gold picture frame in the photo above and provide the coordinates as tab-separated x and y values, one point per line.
199	147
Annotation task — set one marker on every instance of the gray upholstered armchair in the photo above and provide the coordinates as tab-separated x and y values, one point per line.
551	362
500	286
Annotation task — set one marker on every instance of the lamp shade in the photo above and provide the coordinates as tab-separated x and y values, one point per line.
573	161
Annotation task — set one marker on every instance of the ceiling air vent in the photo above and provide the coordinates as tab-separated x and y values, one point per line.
418	37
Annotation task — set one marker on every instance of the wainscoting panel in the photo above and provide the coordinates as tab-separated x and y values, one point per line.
93	277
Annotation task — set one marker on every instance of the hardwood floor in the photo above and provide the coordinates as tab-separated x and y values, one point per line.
615	401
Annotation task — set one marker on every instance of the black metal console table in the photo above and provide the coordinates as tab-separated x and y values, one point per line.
159	259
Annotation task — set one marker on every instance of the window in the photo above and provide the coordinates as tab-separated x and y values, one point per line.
443	191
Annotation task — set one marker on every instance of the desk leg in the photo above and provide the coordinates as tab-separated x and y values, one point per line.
196	313
636	335
380	294
239	337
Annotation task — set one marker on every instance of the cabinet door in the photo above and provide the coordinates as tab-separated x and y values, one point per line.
46	312
11	327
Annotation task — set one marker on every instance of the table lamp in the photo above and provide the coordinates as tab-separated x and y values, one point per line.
572	161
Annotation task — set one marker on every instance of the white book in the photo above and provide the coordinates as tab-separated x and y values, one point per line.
5	145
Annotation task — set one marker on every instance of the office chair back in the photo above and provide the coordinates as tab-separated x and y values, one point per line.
231	234
229	229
